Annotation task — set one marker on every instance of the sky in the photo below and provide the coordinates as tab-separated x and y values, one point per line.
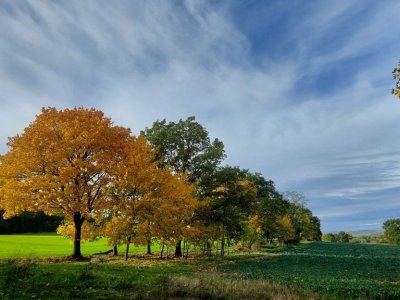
297	90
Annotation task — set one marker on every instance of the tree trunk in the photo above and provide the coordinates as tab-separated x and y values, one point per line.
148	247
78	221
115	250
223	245
178	249
127	248
209	248
162	251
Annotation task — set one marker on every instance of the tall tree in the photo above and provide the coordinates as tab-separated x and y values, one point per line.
231	200
147	201
62	163
186	147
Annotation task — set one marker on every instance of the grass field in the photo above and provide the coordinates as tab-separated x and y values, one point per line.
52	245
314	270
341	270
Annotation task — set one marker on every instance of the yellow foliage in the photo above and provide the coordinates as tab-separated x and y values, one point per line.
61	163
287	231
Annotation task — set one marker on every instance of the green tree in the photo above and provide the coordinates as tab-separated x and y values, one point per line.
391	232
186	147
231	200
343	237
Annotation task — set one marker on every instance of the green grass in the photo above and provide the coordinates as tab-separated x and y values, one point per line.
112	280
337	270
53	245
308	271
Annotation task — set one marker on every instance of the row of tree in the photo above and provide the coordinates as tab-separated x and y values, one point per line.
340	237
29	222
390	235
167	184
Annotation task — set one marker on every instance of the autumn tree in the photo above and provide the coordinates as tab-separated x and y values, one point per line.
186	147
62	163
146	201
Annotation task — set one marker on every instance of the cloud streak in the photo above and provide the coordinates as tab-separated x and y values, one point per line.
299	91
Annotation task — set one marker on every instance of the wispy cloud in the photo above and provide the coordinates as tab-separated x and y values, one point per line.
299	91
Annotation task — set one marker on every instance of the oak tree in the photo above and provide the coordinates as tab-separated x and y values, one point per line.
147	201
62	163
185	146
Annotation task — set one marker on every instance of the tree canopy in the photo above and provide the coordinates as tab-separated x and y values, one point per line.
104	181
391	229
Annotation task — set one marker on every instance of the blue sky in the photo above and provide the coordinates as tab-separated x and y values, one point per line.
297	90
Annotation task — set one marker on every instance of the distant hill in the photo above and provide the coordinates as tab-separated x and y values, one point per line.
366	232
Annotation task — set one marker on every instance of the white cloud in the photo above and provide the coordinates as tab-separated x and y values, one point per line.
142	61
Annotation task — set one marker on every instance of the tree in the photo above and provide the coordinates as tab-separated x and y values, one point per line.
271	209
391	232
186	147
147	201
396	77
340	237
343	237
231	199
63	163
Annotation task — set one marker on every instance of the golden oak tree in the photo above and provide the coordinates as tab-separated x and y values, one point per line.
63	163
147	201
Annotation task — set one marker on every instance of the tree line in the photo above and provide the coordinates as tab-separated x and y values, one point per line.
166	185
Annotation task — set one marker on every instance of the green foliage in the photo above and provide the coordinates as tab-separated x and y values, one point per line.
340	237
391	229
341	271
29	222
231	198
186	147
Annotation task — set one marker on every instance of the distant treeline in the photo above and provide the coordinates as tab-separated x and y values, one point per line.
346	237
29	222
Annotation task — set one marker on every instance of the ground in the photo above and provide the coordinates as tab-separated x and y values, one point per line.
312	270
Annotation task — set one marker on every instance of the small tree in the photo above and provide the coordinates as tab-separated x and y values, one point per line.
391	229
396	77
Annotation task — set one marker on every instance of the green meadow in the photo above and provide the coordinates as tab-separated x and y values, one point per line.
53	245
34	266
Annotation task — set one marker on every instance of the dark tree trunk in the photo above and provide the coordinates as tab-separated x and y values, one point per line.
78	221
148	247
115	250
127	248
178	249
162	251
